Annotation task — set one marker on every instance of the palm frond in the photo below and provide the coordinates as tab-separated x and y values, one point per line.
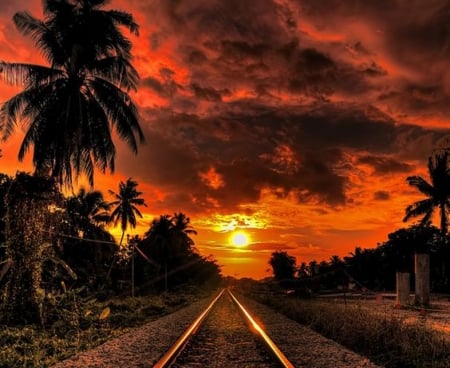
124	19
120	109
421	184
29	25
116	70
424	207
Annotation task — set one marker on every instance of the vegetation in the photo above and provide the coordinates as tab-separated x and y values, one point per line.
85	324
374	269
386	338
125	203
283	265
70	107
437	192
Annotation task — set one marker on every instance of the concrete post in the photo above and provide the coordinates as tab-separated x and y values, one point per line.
422	278
403	288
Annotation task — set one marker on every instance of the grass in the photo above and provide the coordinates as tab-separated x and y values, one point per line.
84	326
385	338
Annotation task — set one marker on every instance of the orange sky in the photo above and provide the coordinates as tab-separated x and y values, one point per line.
294	120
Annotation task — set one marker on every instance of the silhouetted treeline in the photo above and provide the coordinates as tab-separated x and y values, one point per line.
51	244
370	269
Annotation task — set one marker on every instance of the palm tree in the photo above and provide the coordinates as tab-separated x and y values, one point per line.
88	213
125	212
70	108
125	206
438	194
158	239
182	229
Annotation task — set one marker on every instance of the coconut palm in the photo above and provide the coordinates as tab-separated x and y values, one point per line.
158	239
437	192
87	214
125	206
69	109
88	210
181	230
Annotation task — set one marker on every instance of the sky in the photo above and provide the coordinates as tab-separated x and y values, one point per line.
295	121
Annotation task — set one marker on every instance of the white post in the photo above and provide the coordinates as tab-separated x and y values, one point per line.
403	288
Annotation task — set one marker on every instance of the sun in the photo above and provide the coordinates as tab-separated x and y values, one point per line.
239	239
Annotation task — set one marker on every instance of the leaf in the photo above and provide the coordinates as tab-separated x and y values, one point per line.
88	313
105	313
63	285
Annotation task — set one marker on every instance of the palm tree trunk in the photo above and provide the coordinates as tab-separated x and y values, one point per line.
422	278
114	256
132	271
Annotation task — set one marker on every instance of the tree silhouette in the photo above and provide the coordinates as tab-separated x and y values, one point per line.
30	222
283	265
69	109
437	192
181	231
125	210
87	214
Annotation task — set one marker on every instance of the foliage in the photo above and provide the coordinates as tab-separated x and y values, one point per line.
283	265
69	109
386	338
174	258
125	203
31	220
437	192
78	329
87	246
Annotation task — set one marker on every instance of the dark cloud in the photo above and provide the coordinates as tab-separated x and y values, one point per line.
385	165
381	195
300	152
209	94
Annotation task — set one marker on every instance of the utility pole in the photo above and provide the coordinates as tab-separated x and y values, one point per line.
132	269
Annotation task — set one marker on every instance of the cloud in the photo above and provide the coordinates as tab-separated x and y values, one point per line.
309	111
385	165
381	195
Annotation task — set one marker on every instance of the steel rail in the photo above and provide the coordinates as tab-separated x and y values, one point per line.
172	354
169	357
271	346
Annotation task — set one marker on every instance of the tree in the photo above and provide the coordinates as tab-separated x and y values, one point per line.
69	108
181	230
125	209
283	265
31	221
88	211
125	205
87	214
438	193
157	241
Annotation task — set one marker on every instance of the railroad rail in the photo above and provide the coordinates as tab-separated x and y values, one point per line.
170	357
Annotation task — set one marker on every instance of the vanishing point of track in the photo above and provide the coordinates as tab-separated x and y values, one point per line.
222	333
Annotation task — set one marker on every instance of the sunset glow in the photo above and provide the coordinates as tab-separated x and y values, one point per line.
274	125
239	239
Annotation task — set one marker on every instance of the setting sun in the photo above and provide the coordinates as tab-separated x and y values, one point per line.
239	239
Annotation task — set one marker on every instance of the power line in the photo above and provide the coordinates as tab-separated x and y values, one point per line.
78	238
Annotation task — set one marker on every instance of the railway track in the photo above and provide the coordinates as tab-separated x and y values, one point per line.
224	335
